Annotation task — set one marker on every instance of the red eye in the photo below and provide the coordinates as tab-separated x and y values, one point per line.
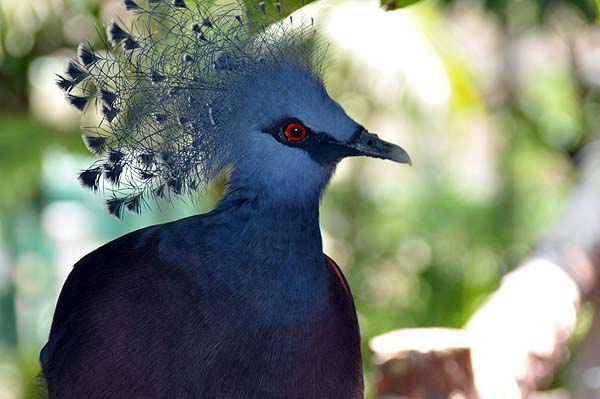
295	132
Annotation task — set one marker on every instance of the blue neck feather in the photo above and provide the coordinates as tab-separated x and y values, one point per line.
283	239
261	252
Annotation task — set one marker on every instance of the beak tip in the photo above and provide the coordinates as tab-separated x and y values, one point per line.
402	157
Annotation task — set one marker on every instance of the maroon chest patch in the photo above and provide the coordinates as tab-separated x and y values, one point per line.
336	269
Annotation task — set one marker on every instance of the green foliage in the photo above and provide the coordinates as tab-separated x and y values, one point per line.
396	4
272	12
23	142
504	8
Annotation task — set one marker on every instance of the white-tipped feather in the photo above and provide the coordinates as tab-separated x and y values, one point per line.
163	90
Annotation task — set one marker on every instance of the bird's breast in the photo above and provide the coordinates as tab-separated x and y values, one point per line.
306	339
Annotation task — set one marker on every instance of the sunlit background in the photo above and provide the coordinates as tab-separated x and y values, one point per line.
492	99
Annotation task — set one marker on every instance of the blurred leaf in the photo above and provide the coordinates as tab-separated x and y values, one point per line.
585	6
505	8
272	12
391	5
23	142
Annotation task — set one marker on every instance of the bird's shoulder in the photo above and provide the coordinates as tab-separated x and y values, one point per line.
140	248
123	286
125	269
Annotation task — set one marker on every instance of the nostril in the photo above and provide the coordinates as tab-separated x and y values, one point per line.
370	142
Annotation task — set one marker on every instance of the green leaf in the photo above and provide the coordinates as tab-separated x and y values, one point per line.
272	14
390	5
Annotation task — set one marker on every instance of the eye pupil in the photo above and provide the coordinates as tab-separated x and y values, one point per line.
295	132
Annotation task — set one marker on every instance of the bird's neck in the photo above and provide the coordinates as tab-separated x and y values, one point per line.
283	226
279	244
257	252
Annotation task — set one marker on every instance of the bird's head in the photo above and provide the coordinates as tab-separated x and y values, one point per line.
291	134
188	95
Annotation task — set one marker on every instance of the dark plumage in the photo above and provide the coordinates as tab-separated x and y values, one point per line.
87	57
65	84
115	156
133	204
131	5
114	206
76	72
134	320
112	172
130	43
156	77
90	177
109	112
95	144
108	97
116	34
78	102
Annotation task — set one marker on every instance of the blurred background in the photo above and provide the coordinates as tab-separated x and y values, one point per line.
493	99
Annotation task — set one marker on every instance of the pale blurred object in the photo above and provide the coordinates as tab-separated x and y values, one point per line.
554	394
412	64
46	101
521	334
10	381
586	371
509	349
423	363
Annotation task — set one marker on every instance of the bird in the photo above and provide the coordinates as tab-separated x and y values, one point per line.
239	302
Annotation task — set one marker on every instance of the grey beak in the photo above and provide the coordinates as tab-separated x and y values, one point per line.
368	144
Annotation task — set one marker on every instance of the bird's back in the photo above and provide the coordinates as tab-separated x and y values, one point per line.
132	322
